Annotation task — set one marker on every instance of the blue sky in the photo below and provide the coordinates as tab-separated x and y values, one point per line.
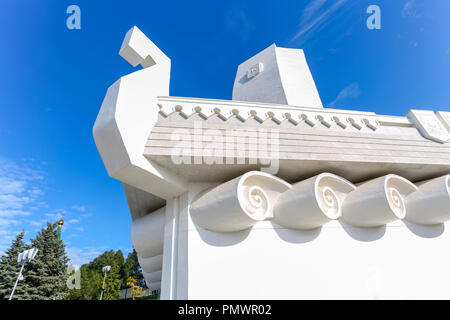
53	80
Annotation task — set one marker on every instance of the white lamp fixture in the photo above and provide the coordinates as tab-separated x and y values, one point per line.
25	256
105	269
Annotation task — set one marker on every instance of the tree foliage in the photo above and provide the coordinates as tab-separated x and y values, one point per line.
136	290
132	267
92	277
46	274
45	277
9	269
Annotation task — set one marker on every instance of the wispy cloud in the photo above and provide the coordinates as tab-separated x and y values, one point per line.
314	16
350	92
23	207
80	256
79	208
409	10
236	20
20	192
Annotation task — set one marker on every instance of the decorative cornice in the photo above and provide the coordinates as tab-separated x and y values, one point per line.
432	126
207	108
242	202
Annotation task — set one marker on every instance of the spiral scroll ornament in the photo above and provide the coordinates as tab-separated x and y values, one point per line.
329	202
256	201
396	202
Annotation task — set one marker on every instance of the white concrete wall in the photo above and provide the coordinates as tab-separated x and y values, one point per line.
399	261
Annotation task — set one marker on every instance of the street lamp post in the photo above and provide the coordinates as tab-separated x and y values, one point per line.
23	257
105	270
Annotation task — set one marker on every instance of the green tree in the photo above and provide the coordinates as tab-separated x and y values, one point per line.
90	282
120	261
132	267
46	275
112	283
135	289
9	269
92	278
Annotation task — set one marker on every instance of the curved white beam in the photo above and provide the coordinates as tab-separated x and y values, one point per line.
377	202
127	116
238	204
151	264
153	285
313	202
430	204
147	234
152	277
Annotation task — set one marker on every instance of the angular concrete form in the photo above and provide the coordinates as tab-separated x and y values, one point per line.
223	193
277	75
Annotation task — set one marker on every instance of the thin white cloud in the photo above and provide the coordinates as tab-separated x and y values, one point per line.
6	235
409	10
350	92
314	16
37	223
311	9
13	213
8	222
20	192
53	216
79	208
22	206
9	186
80	256
10	201
236	20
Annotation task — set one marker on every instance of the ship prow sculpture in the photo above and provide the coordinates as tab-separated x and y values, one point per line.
270	195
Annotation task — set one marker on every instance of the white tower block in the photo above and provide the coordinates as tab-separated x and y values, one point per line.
277	75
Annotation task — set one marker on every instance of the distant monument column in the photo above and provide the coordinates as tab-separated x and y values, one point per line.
59	228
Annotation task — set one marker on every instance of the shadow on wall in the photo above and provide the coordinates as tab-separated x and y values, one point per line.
425	231
364	234
295	235
222	239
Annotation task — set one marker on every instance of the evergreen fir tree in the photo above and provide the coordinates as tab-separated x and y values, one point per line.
46	275
120	261
9	270
112	283
132	267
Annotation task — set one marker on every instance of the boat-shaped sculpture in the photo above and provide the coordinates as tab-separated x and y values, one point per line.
270	195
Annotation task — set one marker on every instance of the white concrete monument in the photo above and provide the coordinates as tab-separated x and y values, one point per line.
272	196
